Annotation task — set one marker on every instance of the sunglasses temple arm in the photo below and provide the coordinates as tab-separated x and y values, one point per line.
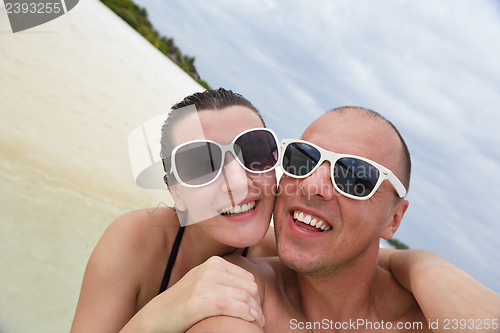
398	186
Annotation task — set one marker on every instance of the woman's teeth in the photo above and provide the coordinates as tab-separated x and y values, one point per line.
238	209
307	219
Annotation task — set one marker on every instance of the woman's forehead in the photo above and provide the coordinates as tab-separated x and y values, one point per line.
217	125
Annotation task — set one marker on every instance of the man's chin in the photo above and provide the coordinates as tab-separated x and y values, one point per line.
297	261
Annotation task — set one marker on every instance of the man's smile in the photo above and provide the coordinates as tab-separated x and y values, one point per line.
309	223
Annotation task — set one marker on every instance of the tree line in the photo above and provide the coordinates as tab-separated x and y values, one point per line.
137	18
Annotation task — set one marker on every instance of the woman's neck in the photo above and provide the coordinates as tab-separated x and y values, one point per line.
196	247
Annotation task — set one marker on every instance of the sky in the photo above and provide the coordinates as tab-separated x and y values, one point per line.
430	67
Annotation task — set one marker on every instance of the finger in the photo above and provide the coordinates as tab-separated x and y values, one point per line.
226	306
229	267
213	277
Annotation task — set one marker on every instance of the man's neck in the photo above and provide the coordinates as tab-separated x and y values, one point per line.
349	294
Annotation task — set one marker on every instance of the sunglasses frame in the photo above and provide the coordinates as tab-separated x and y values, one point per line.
224	148
326	155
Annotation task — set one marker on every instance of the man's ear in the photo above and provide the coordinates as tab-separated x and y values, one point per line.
394	219
179	204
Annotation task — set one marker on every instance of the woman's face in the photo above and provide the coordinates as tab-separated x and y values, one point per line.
251	194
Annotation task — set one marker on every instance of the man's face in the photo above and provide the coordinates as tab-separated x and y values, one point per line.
352	226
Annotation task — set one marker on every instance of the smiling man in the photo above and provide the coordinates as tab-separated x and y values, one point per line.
343	188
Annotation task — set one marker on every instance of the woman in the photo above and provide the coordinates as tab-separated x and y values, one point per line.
124	283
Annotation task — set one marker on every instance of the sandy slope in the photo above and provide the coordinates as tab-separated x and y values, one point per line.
71	91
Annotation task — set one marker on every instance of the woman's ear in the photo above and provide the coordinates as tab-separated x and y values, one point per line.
179	204
394	219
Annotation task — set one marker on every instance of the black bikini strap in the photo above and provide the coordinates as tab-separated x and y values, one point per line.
171	260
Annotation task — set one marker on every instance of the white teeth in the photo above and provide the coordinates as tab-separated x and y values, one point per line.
307	219
238	209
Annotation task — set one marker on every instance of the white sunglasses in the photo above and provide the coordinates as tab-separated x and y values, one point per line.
199	162
353	176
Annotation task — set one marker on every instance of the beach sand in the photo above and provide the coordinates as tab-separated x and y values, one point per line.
71	91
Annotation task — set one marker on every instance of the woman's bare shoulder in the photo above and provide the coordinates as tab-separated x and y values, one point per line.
139	232
144	222
125	269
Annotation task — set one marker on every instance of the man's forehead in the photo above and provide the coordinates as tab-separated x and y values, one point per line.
337	126
352	133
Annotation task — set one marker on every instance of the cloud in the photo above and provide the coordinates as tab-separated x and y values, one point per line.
430	67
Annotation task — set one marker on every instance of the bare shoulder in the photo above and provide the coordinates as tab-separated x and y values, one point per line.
138	226
398	305
138	242
262	267
124	270
221	324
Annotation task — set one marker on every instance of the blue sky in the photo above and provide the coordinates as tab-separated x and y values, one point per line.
431	67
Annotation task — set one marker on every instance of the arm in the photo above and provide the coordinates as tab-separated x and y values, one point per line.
221	324
442	290
110	284
122	267
214	288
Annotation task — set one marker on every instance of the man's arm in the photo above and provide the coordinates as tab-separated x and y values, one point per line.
445	292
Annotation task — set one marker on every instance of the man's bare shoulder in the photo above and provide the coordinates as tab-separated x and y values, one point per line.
221	324
398	305
270	269
279	290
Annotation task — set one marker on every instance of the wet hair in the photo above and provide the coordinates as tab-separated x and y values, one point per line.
209	100
405	154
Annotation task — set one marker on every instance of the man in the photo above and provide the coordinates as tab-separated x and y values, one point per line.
328	221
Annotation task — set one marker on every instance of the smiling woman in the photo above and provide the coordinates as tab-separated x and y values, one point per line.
157	269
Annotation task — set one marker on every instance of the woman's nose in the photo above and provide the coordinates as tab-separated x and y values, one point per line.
236	180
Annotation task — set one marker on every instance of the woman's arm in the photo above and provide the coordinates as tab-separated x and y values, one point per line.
111	281
444	292
223	323
214	288
122	266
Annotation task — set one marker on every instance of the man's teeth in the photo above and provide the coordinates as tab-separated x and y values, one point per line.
249	206
307	219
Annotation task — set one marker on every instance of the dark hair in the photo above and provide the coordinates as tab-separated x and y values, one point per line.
405	155
217	99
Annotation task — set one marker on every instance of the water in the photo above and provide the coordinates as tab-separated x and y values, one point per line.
71	91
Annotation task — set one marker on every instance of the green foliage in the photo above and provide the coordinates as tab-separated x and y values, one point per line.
137	18
397	244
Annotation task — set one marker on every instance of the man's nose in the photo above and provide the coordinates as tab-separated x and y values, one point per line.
236	180
319	183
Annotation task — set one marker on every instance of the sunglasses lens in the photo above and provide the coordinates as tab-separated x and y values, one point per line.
257	150
355	177
300	158
198	163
